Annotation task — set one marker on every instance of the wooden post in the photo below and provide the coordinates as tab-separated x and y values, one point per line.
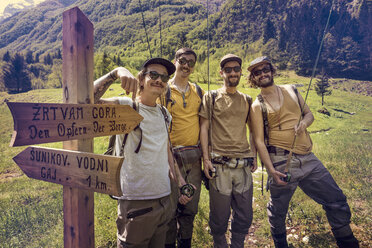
78	204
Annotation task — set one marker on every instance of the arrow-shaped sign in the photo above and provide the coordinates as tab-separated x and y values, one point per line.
36	123
99	173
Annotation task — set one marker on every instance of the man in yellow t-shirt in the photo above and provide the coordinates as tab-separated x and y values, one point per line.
183	101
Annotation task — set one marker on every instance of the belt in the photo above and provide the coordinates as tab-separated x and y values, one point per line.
277	150
234	163
280	152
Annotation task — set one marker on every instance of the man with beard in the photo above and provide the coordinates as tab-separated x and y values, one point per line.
144	208
227	157
183	101
280	107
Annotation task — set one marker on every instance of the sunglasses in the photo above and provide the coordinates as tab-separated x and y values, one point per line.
264	70
154	75
183	61
229	69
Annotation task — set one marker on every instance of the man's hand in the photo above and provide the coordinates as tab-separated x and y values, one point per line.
128	82
277	175
207	167
300	128
183	199
254	165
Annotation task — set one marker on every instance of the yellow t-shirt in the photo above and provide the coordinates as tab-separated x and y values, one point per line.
185	119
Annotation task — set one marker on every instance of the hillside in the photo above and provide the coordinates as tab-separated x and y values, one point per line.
288	31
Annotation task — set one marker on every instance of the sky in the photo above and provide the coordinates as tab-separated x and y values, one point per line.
4	3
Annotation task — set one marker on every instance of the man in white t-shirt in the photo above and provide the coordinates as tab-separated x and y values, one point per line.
144	207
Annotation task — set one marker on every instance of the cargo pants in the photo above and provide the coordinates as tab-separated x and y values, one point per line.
230	189
142	223
314	179
181	225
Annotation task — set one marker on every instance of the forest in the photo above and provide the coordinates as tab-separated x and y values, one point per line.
289	32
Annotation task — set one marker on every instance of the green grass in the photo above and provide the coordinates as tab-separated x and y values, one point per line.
32	211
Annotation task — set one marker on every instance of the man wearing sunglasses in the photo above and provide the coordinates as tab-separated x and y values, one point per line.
228	158
282	107
144	208
183	100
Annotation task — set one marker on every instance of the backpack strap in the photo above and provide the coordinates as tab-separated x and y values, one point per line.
249	100
199	91
135	106
298	98
214	95
264	118
110	147
168	98
165	115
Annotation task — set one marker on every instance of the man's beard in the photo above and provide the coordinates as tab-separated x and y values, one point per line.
233	84
265	84
185	72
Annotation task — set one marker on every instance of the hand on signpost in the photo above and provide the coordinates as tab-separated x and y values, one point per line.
128	82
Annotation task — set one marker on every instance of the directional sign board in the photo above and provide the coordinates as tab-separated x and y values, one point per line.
36	123
99	173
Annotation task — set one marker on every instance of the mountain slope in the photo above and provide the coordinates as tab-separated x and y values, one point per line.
288	31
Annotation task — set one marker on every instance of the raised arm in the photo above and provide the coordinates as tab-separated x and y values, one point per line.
128	83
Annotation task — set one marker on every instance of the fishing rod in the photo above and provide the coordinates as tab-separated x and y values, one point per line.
286	172
212	173
144	25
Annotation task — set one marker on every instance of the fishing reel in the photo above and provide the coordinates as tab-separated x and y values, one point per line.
187	190
287	177
212	173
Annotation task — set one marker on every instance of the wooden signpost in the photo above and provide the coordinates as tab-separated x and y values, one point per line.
82	170
37	123
75	122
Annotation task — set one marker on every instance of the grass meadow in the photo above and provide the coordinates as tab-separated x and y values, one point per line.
31	211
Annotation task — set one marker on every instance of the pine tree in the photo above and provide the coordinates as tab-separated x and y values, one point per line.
37	60
16	78
6	56
118	61
48	60
29	57
322	85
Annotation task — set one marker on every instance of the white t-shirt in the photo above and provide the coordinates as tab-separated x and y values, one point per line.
145	175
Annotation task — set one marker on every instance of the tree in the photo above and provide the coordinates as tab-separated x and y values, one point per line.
57	54
15	76
29	57
55	77
6	56
322	85
48	60
118	61
269	31
103	65
37	60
